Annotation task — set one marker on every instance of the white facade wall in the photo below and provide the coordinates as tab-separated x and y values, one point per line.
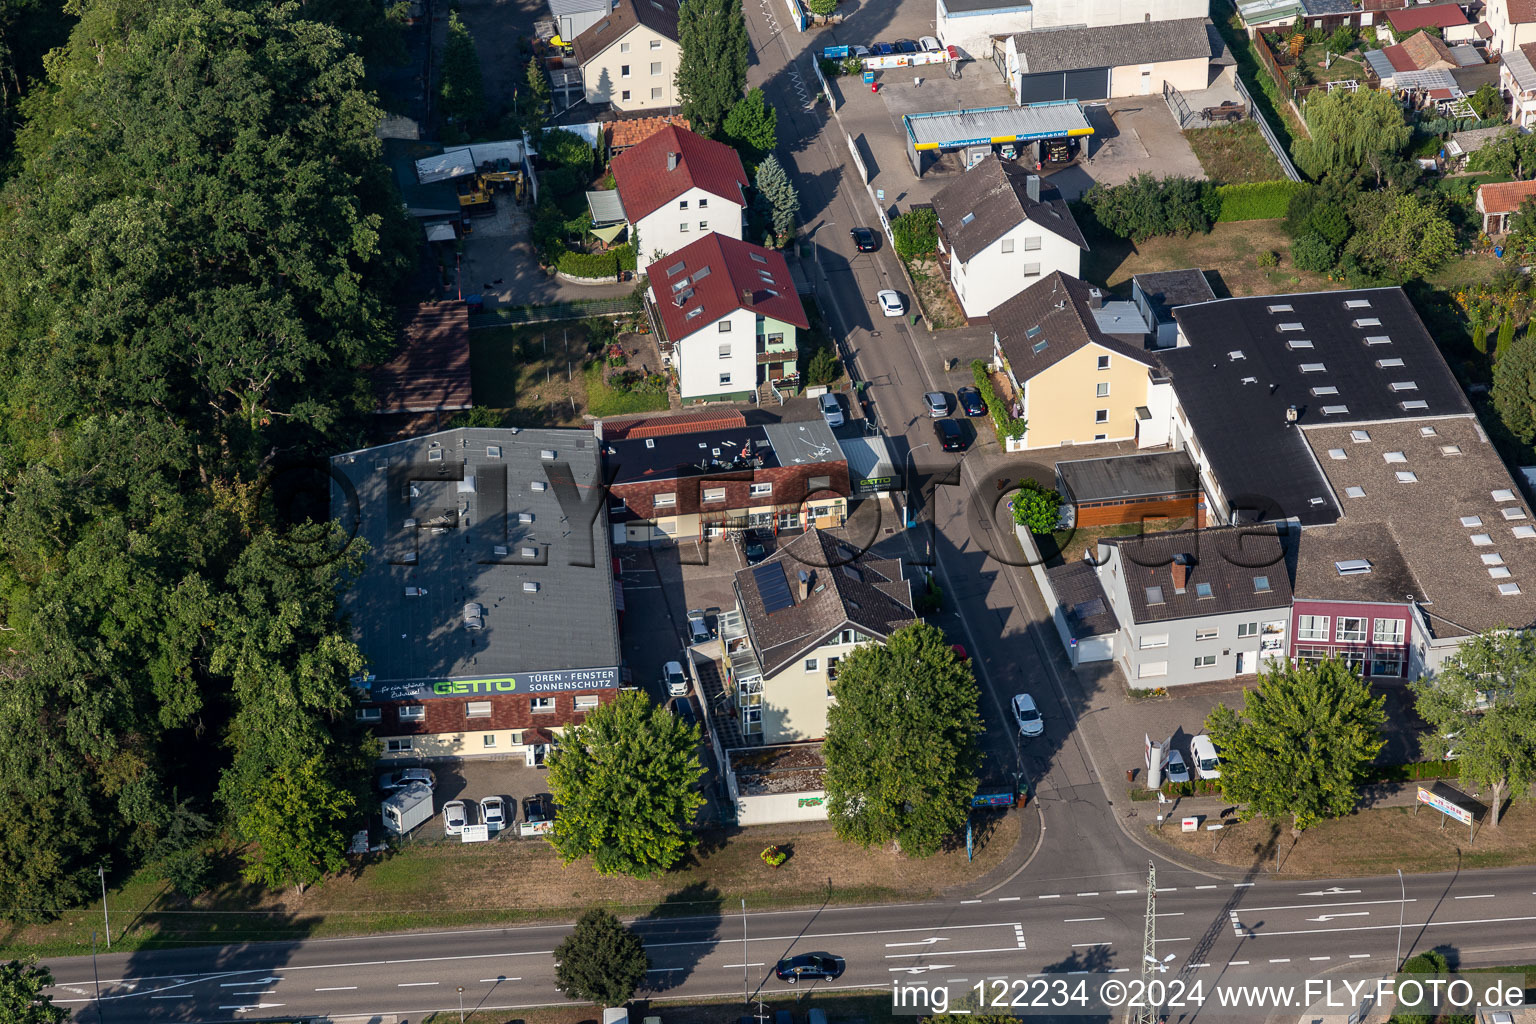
700	363
1159	429
777	808
681	221
1147	79
1522	110
1507	35
971	32
645	87
993	276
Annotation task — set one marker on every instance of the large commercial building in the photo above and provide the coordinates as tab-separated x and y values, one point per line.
486	607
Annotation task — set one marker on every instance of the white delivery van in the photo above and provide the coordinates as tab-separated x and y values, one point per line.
1203	752
616	1015
408	807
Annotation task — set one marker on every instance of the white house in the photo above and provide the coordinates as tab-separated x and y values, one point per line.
629	59
971	25
1000	231
727	315
1112	60
1513	23
677	187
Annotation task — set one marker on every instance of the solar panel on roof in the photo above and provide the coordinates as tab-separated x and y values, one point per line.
773	587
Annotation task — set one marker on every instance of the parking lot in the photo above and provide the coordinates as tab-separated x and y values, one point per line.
472	781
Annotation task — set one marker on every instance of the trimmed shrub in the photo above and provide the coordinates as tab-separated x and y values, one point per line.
1256	200
1312	252
916	232
597	264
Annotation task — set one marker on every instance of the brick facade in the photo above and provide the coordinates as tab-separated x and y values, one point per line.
790	488
508	711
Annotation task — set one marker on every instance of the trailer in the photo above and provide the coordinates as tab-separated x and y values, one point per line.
407	808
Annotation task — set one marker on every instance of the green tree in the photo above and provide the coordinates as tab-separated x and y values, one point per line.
22	999
1512	154
1036	506
1488	102
901	742
713	70
777	196
1352	131
461	90
821	8
1328	221
823	367
916	232
1481	704
1399	236
1300	744
1312	252
1514	388
297	818
752	126
534	101
601	961
1146	207
626	781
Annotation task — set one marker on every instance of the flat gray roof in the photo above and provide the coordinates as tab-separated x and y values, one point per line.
871	466
1129	476
803	442
475	516
949	129
606	206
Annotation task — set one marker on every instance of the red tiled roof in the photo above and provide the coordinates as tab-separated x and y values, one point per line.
645	184
1399	58
1415	18
1522	11
735	281
661	426
1504	196
430	372
1428	52
623	134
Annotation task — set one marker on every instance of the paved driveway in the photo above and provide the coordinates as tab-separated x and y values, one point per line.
1129	136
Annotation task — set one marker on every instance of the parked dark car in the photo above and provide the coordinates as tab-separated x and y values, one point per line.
1059	151
970	401
537	809
863	239
951	436
810	967
753	547
882	49
906	46
682	707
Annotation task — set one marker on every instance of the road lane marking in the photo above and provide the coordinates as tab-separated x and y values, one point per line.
779	938
1315	958
415	984
339	988
1384	927
1118	970
1483	896
1351	913
1009	899
1125	892
728	966
920	942
1075	920
1171	888
1077	945
1052	896
947	952
250	981
261	992
1237	963
1329	906
920	970
1181	938
970	901
1280	960
1172	913
1087	894
182	995
1190	966
1205	887
1331	891
1359	956
1239	885
505	978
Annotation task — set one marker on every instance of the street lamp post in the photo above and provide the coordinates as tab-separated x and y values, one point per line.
102	872
910	521
746	997
461	1004
95	974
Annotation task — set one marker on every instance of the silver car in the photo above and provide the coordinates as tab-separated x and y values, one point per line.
831	410
937	403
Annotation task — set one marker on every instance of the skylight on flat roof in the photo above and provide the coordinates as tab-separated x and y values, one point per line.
1499	572
1405	476
1471	520
1382	364
1394	456
1403	385
1335	410
1481	540
1289	327
1353	566
1296	343
1450	449
1509	589
1367	321
1427	431
1513	512
1327	389
1357	303
1503	494
1354	492
1417	403
1524	532
1313	368
1493	559
1235	355
1377	339
1359	436
1337	453
1281	309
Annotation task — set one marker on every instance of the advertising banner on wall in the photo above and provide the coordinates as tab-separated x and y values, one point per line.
560	681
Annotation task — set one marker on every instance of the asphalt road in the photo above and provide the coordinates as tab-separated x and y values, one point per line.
1078	907
1213	929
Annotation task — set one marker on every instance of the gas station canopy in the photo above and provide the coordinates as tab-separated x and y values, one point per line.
956	129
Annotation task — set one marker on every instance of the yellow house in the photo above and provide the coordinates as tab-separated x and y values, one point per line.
797	614
629	59
1072	382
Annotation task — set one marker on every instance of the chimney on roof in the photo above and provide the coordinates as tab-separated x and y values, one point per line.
805	584
1180	567
1095	299
1032	187
746	296
1290	415
672	159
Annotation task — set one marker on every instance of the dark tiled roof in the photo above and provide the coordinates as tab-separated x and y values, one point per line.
1240	373
430	371
1129	476
991	199
1141	42
1415	18
1457	586
1056	305
1078	591
1172	288
658	15
735	281
1228	558
646	183
1321	548
848	589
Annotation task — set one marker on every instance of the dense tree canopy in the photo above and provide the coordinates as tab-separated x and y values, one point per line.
1481	706
1300	743
752	126
1352	131
713	70
194	257
1514	388
626	781
22	999
901	742
601	961
1398	235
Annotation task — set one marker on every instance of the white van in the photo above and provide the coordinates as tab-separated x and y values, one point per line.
1203	752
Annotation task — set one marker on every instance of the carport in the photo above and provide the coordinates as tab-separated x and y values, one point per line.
991	126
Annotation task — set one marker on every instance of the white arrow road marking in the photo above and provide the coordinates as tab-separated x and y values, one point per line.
1334	891
1330	917
919	970
920	942
949	952
1331	906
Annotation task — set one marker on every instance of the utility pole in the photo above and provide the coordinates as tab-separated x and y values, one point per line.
1402	908
102	872
461	1004
97	976
746	996
1146	1013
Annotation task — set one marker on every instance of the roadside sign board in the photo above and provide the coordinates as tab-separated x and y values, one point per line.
992	800
1444	806
475	833
1191	824
534	828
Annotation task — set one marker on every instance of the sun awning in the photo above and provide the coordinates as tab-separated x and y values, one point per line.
608	232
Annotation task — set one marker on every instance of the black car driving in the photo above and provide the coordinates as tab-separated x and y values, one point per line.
863	239
810	967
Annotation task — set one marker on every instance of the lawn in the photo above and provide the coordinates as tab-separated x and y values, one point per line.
1370	842
1066	546
433	883
869	1007
1229	255
532	376
1234	152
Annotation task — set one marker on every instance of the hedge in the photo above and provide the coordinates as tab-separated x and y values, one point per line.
1256	200
597	264
1006	425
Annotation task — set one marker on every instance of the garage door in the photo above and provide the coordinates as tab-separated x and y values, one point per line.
1082	85
1095	648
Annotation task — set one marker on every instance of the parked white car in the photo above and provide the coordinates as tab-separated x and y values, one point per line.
1203	752
890	303
677	683
493	811
455	817
404	777
1026	716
